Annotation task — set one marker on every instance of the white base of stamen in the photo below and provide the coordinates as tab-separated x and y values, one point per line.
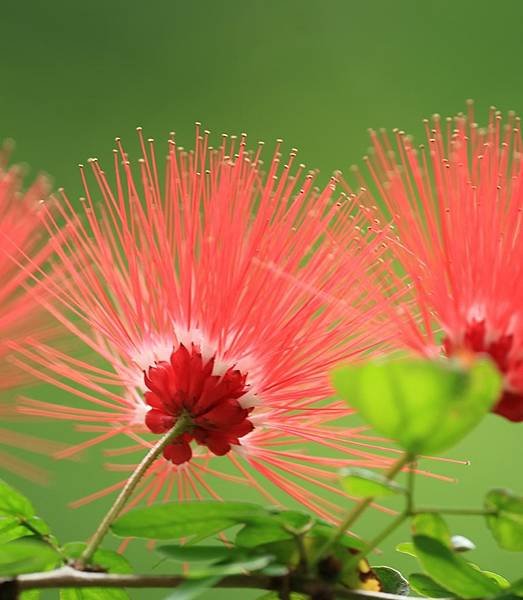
140	407
249	401
160	349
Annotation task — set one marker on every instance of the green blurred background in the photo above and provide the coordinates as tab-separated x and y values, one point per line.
74	75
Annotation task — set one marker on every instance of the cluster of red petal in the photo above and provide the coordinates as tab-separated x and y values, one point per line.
186	385
510	405
456	206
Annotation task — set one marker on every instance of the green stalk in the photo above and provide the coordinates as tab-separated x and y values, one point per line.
182	424
399	520
356	511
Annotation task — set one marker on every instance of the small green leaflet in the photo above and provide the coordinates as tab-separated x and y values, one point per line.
363	483
507	524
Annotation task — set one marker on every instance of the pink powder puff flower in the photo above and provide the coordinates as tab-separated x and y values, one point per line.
222	294
21	316
457	211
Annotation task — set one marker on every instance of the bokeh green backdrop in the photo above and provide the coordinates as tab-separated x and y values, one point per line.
317	73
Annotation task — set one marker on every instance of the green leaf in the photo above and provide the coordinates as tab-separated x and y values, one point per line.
362	483
499	579
515	588
30	595
284	552
192	588
26	555
507	525
450	570
175	519
432	525
36	525
294	521
407	548
93	594
13	503
426	586
253	535
195	553
275	570
12	528
235	567
392	581
276	596
323	531
108	561
427	406
283	525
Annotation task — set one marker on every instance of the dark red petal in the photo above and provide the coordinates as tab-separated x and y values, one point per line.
196	375
159	422
208	367
510	406
241	429
175	403
474	338
200	434
499	350
210	395
217	444
153	400
224	415
180	362
178	452
157	379
231	385
236	380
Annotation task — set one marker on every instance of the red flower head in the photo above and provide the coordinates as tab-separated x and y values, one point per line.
457	211
186	384
21	316
221	295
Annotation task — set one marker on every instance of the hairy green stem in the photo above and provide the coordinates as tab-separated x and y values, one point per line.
374	543
399	520
357	510
182	424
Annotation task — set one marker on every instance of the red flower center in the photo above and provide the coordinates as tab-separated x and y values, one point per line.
186	385
510	405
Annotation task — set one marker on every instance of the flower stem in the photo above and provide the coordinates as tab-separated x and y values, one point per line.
374	543
181	426
356	511
381	536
